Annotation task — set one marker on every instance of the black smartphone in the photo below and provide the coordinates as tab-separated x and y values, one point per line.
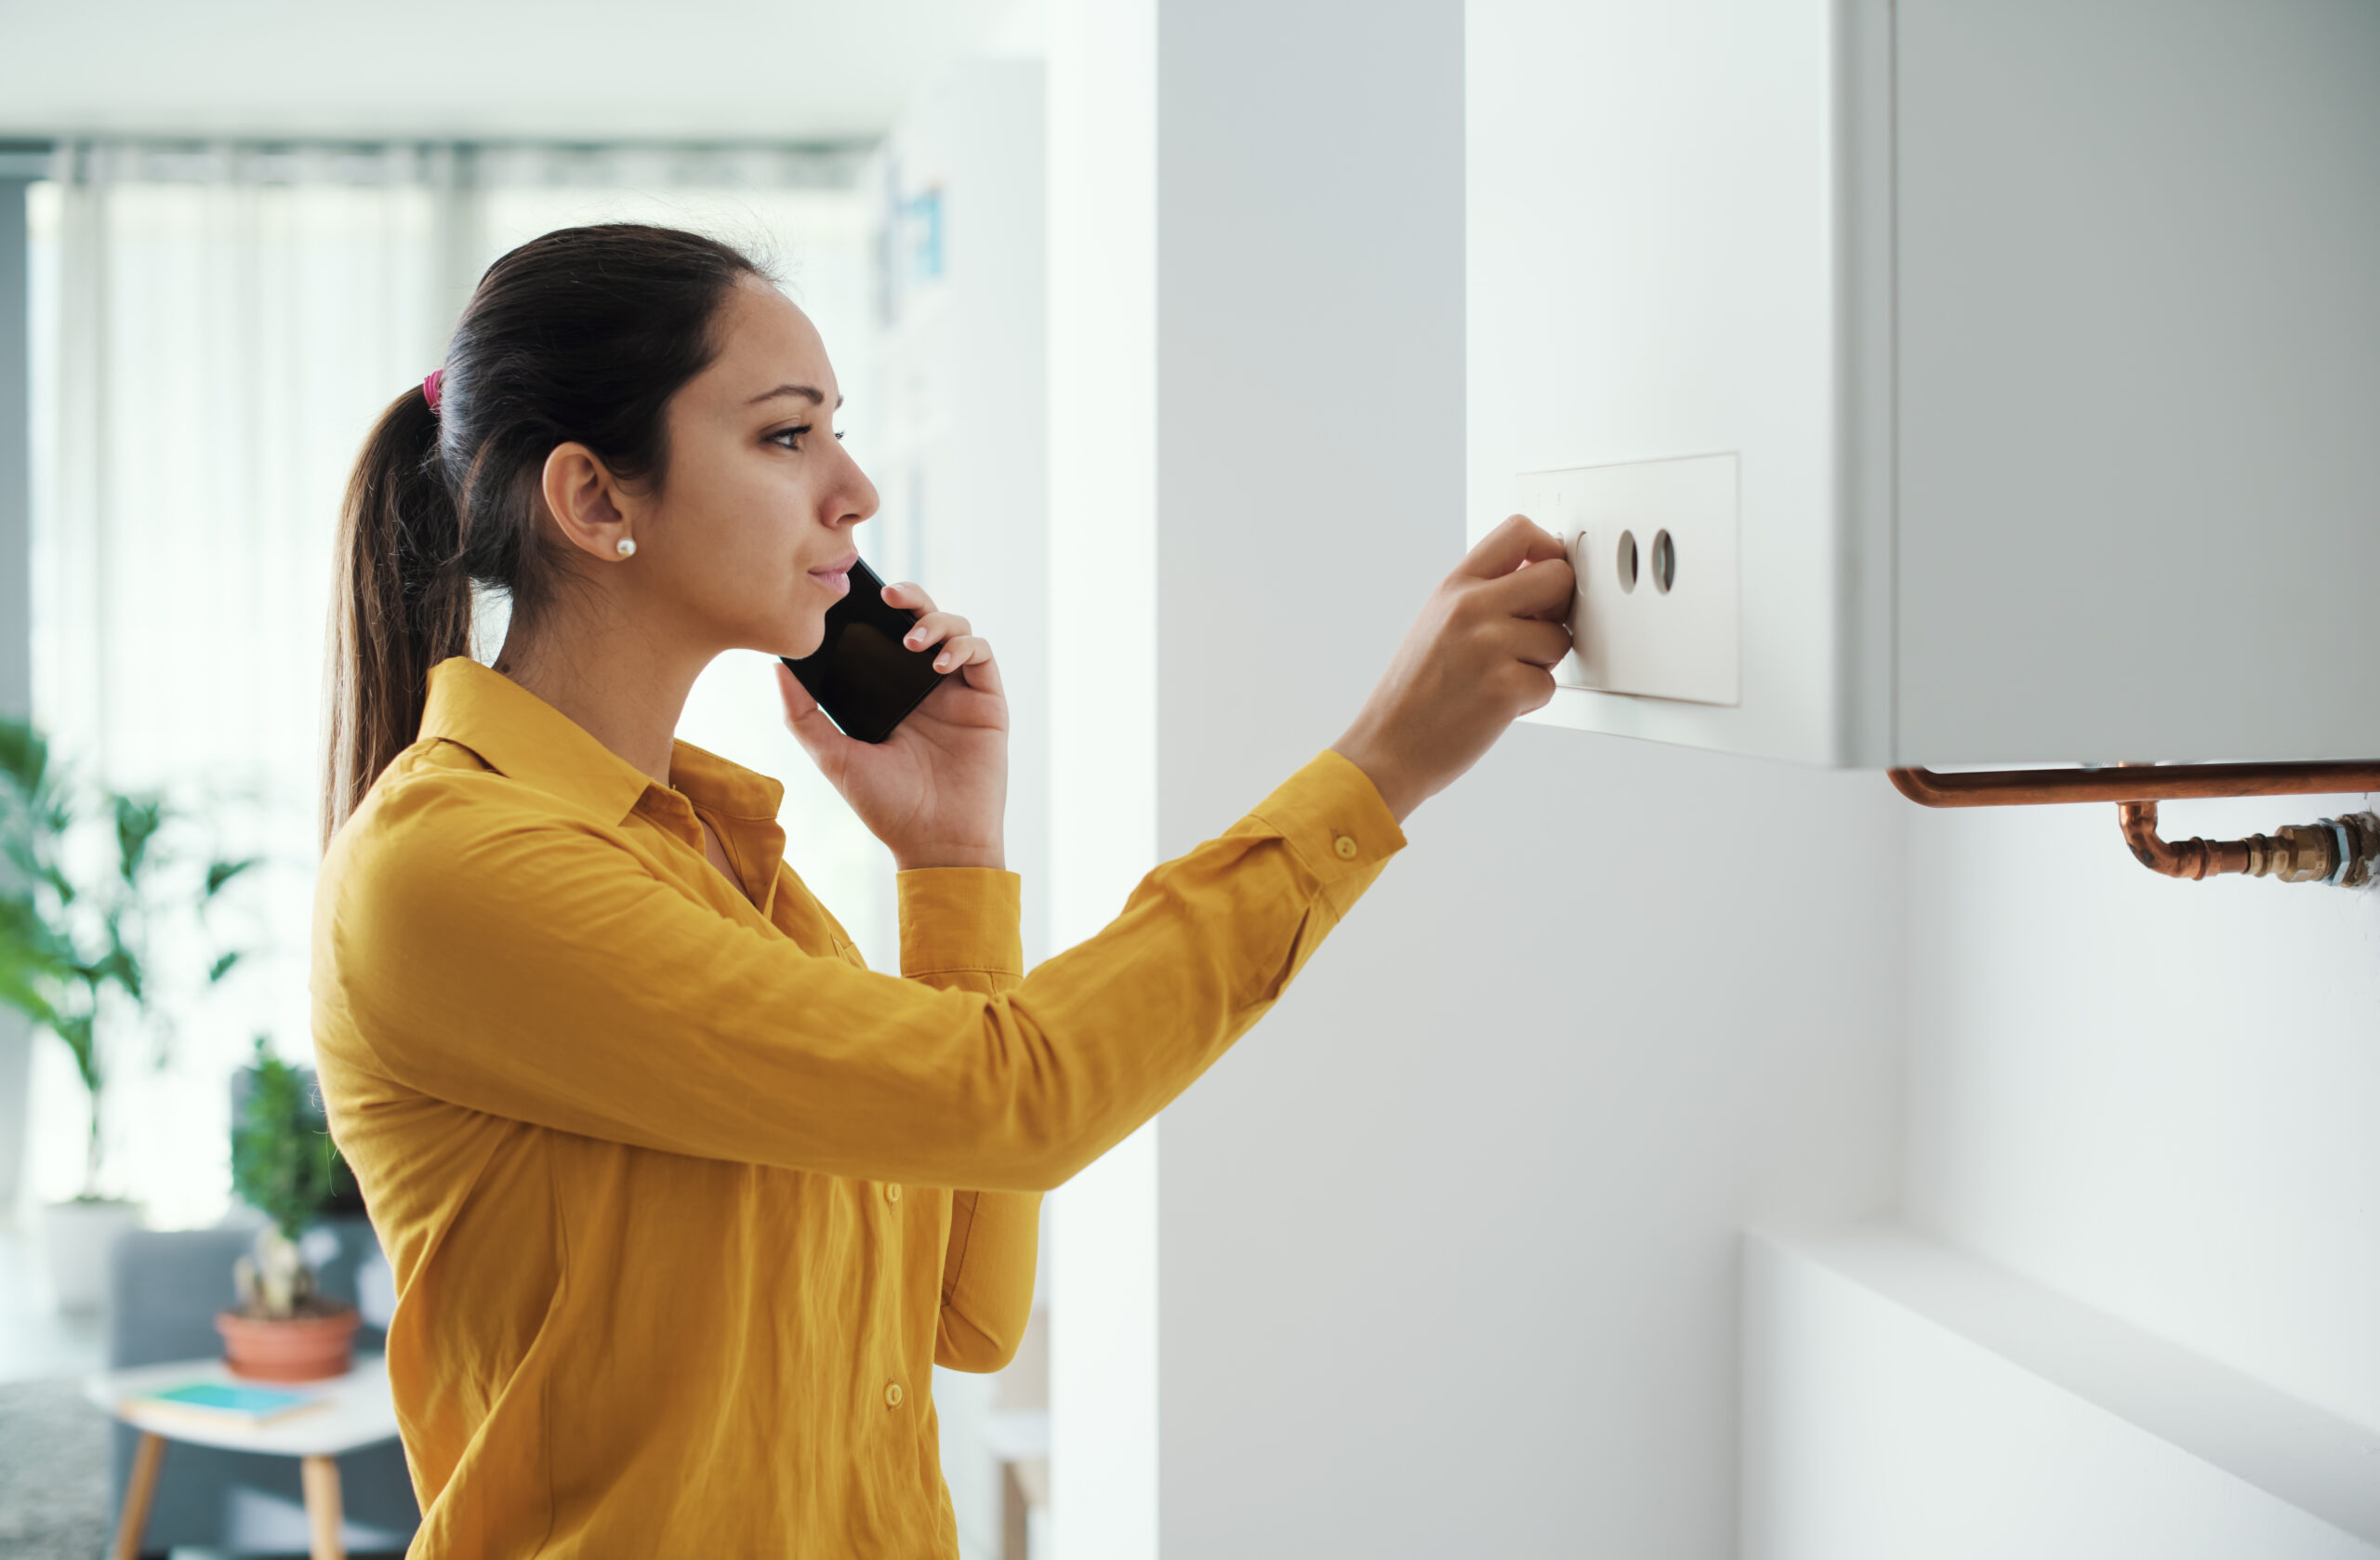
861	675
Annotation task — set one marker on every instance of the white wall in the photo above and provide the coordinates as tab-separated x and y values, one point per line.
1449	1242
2158	1097
1450	1245
1903	1399
2134	1317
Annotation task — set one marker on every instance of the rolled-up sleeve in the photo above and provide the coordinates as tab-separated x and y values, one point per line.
512	961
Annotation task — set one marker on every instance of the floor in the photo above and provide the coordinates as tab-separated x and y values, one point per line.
53	1444
53	1471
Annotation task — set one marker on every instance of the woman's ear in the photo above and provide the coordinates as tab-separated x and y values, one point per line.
587	501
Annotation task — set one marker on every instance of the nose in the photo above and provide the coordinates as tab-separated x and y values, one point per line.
852	498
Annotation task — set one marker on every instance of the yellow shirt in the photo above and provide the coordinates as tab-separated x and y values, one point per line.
663	1170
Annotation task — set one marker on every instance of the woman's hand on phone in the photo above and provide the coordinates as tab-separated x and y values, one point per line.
936	790
1478	656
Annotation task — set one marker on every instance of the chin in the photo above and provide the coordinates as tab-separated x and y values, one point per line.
802	639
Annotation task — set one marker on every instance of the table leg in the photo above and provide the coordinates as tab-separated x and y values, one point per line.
320	1475
139	1492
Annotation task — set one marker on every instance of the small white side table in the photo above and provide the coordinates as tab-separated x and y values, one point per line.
357	1412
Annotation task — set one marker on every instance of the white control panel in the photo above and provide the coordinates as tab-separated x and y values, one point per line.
1659	607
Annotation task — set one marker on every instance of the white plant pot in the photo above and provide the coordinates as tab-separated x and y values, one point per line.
76	1238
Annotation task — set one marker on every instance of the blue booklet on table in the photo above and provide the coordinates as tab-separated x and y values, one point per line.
226	1402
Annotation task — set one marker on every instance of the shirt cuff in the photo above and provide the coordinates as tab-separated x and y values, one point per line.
961	920
1332	815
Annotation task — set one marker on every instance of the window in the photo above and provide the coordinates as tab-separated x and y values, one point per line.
216	327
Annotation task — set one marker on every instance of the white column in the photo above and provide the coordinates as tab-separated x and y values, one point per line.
1103	753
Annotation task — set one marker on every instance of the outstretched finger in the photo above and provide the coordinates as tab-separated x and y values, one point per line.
909	594
970	657
1517	541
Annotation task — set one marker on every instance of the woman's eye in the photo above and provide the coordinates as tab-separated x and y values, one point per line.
791	437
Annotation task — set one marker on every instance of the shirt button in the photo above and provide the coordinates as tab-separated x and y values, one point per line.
892	1394
893	1191
1345	847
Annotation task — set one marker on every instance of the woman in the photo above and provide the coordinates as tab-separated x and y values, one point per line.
684	1201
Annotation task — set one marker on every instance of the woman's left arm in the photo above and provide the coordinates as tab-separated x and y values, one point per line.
986	1278
958	928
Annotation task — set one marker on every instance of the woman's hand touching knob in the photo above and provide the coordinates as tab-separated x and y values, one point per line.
1479	655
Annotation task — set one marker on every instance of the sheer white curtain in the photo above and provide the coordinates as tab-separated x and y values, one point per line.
215	329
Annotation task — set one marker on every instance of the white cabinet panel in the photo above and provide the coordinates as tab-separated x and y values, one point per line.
2139	379
2045	334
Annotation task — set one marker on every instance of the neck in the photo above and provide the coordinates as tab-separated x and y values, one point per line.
621	687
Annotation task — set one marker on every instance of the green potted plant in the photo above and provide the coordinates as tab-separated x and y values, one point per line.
75	935
285	1166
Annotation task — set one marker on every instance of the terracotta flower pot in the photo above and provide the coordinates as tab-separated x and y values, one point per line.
300	1349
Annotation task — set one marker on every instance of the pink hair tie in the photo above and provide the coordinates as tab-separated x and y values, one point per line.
430	387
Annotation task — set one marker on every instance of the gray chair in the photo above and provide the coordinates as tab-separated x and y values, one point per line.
166	1287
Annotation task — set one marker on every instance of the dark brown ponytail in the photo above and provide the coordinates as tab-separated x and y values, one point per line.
581	336
398	606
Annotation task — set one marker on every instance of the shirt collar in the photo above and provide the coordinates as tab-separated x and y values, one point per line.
523	737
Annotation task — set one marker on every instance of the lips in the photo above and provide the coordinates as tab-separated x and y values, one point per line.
836	576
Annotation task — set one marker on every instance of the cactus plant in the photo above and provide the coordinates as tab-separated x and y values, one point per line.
287	1169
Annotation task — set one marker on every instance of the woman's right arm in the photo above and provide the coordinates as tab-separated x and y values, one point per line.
476	950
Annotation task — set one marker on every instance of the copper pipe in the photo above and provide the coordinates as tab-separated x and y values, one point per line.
2022	787
2336	849
2341	851
2183	858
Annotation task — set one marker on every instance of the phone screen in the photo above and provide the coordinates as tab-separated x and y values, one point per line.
861	675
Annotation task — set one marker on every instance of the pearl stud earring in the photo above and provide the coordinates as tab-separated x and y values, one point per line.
626	547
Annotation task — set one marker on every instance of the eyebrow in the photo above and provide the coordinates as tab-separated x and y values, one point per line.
815	398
